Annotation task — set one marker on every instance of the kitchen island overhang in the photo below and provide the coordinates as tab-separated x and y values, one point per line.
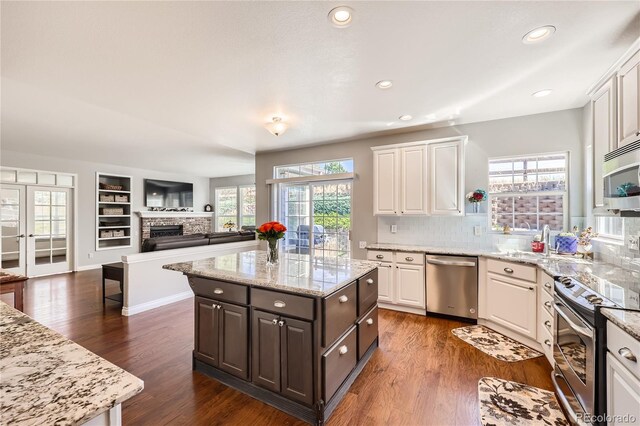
295	335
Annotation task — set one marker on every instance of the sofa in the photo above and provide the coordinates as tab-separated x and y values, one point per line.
193	240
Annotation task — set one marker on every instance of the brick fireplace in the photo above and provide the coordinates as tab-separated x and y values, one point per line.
191	223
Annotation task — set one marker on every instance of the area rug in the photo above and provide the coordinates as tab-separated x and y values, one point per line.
509	403
495	344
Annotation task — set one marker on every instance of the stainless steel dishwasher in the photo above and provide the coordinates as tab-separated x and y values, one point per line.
452	286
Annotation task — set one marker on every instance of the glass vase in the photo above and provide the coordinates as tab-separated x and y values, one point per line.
476	207
272	252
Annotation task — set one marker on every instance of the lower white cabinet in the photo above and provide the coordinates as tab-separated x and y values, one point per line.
385	282
410	285
401	280
512	303
623	393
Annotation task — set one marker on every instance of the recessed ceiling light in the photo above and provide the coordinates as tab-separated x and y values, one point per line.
384	84
538	34
405	117
341	16
541	93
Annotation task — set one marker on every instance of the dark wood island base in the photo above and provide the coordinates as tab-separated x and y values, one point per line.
289	344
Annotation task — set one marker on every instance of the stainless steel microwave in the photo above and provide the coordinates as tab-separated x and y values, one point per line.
621	174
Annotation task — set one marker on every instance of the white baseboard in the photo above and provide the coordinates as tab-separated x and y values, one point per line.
399	308
88	267
136	309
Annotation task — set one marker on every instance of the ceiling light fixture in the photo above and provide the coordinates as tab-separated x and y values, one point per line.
541	93
538	34
405	117
277	127
341	16
384	84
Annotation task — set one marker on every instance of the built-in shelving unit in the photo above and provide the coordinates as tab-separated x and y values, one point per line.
113	211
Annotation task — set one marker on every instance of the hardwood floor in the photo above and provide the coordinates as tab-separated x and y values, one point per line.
420	375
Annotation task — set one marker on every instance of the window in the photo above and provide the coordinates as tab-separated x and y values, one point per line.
610	227
527	193
235	204
313	169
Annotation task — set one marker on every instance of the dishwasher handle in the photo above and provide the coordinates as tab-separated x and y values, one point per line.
436	261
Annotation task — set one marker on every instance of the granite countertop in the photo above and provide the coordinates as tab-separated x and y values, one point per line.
48	379
296	273
629	321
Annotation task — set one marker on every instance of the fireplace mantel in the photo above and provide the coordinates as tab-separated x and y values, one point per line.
155	214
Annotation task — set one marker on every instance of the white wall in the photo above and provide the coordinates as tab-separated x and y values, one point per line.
86	202
532	134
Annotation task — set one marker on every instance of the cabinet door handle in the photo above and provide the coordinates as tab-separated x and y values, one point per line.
379	256
343	299
547	304
547	342
274	321
508	270
279	304
547	323
218	291
343	350
281	323
409	259
531	288
370	321
547	285
638	133
218	306
626	353
370	281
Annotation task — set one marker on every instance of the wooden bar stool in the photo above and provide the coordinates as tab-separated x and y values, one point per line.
115	272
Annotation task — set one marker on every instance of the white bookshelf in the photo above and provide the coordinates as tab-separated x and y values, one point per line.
113	211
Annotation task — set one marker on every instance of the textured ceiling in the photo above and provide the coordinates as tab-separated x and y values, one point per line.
188	86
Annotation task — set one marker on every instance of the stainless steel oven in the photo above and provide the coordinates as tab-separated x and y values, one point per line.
574	354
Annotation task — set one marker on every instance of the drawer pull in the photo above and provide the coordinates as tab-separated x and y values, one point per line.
218	291
409	259
547	342
547	304
547	285
626	353
370	281
379	256
343	350
343	299
279	304
531	288
508	270
547	323
370	321
281	323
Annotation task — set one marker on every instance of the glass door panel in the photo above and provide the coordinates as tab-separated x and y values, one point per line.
48	211
294	214
332	218
12	228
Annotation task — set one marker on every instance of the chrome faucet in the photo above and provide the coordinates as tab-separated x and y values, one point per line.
546	239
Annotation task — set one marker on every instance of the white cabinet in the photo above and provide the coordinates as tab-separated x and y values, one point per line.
512	303
385	182
446	182
410	285
385	282
603	110
419	178
623	393
413	180
629	101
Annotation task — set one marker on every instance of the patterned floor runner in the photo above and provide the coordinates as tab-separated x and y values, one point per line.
495	344
509	403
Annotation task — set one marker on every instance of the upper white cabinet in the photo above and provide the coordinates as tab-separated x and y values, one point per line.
629	101
603	110
446	183
419	178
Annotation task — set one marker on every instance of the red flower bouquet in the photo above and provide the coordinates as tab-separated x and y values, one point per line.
271	232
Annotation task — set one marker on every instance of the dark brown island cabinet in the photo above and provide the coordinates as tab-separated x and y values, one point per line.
297	352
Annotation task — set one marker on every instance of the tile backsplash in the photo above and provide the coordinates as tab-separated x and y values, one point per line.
620	254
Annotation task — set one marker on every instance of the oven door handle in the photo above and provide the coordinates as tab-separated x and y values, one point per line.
563	399
577	328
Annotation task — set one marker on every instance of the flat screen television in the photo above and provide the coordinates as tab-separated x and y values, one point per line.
162	193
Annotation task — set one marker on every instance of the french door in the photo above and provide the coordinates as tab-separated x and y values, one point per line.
36	227
317	216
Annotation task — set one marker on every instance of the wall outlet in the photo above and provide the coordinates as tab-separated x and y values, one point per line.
394	229
362	244
633	243
477	230
90	255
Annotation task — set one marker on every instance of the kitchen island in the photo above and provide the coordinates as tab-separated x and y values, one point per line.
294	336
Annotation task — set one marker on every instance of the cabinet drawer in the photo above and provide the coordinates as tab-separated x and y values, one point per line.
337	363
623	347
545	326
338	313
220	290
546	302
547	284
382	256
283	303
367	331
410	258
367	291
511	269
